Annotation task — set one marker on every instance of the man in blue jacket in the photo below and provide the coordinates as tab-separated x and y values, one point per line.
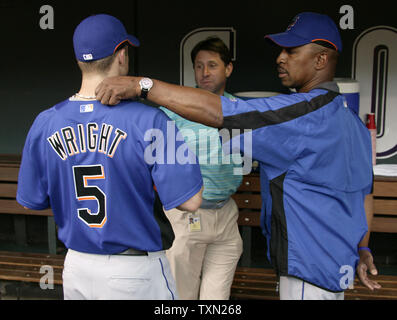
315	157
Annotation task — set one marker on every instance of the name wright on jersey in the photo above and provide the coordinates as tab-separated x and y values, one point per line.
89	137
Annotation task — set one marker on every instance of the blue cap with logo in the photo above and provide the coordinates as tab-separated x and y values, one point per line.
309	27
99	36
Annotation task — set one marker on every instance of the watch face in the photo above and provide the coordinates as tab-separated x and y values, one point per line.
146	83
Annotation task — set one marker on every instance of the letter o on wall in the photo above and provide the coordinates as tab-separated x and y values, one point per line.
375	67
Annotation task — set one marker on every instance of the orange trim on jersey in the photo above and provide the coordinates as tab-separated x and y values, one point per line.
93	178
86	198
93	226
326	41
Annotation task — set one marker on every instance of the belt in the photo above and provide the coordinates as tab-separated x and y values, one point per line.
133	252
209	204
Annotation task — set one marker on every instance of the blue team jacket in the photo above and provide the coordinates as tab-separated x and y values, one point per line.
316	170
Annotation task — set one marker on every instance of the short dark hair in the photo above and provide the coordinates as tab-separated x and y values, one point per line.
213	44
102	65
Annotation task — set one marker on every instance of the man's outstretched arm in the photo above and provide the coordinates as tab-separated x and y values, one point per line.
193	104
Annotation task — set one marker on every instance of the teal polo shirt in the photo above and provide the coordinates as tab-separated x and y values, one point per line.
217	169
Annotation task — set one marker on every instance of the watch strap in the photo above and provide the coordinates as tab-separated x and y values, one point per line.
144	93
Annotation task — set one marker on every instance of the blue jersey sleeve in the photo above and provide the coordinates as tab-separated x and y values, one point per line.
175	172
32	191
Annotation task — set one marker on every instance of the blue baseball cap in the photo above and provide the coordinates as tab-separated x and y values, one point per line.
309	27
99	36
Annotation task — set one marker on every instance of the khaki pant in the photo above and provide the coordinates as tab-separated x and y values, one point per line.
204	262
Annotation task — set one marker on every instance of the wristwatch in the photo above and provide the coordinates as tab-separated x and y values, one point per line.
146	84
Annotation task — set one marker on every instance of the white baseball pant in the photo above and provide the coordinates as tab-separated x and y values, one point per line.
117	277
296	289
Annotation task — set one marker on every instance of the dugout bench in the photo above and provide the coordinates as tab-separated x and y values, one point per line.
25	267
9	169
385	205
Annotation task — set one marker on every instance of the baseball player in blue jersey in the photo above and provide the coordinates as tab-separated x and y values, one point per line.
92	165
315	160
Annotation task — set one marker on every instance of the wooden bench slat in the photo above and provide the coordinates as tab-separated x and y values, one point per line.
255	274
386	225
368	296
383	279
255	270
21	266
8	190
31	262
380	292
13	207
385	189
255	277
31	255
252	281
26	276
385	206
9	159
271	285
24	260
28	268
267	291
32	259
248	293
9	174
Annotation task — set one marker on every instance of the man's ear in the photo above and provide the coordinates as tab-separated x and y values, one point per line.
322	60
229	70
122	55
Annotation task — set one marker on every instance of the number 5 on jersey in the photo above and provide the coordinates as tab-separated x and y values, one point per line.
85	192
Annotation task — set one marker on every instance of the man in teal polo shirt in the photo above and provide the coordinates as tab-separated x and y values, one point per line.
208	244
